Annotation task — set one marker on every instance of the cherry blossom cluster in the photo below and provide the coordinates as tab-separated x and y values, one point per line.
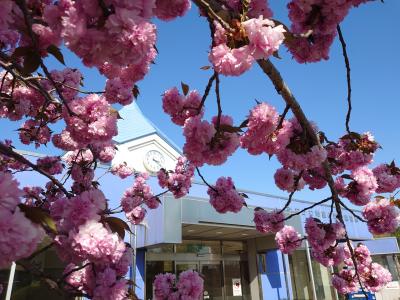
288	239
181	107
179	181
268	222
189	286
256	8
208	142
20	236
224	197
122	170
262	38
382	216
133	198
372	275
314	23
83	238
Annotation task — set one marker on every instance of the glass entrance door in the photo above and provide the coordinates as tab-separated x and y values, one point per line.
213	280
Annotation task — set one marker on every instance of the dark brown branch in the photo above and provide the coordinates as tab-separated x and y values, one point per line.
204	180
206	92
348	77
11	153
352	212
296	184
217	93
307	208
44	249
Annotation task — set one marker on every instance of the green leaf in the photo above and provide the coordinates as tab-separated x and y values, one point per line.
276	55
185	88
38	216
117	225
56	52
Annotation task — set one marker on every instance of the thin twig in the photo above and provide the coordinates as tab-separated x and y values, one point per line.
307	208
352	212
204	180
206	92
296	184
348	76
9	152
217	93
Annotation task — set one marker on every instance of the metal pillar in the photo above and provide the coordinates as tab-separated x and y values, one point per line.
311	271
10	281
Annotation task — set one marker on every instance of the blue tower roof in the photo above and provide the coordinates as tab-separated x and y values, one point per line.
134	125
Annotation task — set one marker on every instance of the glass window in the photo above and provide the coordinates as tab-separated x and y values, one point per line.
154	268
212	274
199	247
229	247
162	249
236	278
322	281
299	271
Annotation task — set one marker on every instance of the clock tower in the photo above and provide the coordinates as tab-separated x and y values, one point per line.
141	144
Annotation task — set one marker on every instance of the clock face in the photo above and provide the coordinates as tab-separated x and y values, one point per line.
154	161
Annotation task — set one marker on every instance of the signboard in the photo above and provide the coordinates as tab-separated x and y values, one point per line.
360	295
236	287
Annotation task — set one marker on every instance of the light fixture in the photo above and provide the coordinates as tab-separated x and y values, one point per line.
191	230
244	234
218	232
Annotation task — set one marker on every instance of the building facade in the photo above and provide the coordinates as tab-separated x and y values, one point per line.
237	261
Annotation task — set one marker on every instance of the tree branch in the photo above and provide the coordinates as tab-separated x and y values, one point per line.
9	152
307	208
348	77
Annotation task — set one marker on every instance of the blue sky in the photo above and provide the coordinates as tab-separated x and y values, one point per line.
371	32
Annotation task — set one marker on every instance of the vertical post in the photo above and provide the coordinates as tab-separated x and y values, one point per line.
311	271
134	243
335	290
10	281
286	265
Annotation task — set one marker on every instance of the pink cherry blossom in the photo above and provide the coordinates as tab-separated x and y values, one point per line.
224	196
345	281
288	239
180	107
122	170
231	62
264	37
288	180
19	238
268	222
262	123
190	285
94	120
94	242
50	164
204	144
376	278
163	285
168	10
179	181
382	216
360	189
298	154
321	236
9	192
388	177
331	256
